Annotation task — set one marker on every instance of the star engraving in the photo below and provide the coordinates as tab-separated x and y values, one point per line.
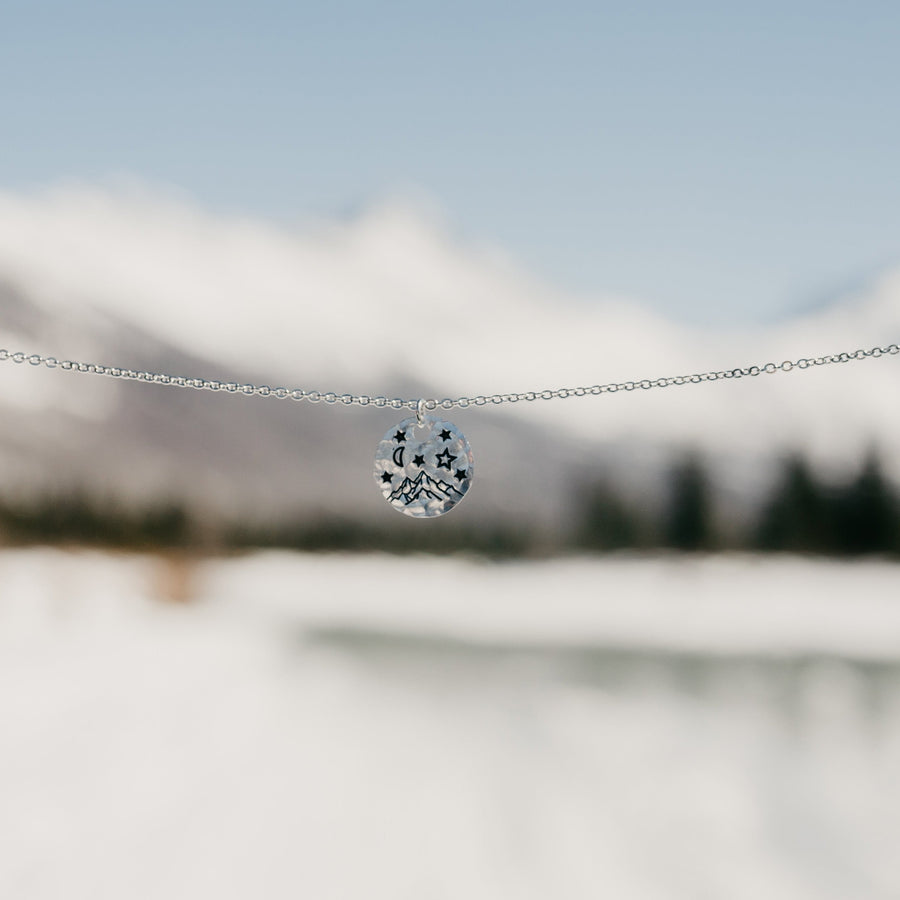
386	477
446	436
444	458
419	459
461	474
400	436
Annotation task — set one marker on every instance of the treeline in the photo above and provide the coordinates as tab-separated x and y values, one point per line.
77	519
802	513
80	519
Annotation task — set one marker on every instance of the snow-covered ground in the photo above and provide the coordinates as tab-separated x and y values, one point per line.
372	727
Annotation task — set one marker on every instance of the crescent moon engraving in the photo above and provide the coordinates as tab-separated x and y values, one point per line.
398	457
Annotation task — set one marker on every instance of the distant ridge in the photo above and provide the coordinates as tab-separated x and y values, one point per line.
372	305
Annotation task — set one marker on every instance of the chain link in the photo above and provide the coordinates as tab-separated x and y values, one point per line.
331	398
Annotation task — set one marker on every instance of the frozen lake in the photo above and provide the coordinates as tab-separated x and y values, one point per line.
372	727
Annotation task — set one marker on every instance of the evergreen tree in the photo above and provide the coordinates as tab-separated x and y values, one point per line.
796	517
688	521
606	521
866	517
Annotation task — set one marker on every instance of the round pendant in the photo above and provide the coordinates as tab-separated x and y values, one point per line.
423	470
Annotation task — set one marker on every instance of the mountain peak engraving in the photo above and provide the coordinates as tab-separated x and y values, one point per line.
423	485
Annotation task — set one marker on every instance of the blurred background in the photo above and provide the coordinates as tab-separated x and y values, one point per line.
656	651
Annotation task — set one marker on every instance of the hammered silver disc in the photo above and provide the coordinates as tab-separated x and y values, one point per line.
424	470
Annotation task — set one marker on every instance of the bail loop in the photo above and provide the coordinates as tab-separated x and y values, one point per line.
420	412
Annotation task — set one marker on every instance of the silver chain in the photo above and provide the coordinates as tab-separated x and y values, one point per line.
282	393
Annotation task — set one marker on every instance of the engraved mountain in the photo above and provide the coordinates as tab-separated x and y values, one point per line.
423	485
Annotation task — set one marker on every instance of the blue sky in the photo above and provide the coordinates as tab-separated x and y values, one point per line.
722	163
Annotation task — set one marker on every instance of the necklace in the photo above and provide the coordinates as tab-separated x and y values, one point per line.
424	465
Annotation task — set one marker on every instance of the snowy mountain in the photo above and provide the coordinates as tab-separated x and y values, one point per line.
389	302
